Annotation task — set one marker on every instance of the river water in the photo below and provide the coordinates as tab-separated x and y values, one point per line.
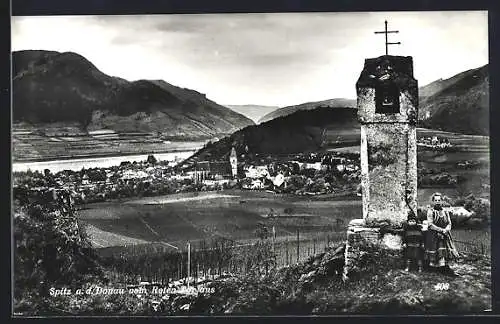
99	162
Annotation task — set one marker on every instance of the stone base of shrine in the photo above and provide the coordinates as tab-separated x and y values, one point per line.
367	245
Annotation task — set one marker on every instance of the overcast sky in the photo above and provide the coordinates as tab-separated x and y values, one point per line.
268	59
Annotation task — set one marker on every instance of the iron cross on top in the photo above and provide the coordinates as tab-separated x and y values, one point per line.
386	42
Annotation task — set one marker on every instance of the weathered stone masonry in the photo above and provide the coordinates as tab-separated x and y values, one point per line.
387	111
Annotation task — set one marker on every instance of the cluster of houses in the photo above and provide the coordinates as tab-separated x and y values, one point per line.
467	164
103	183
277	174
98	183
212	174
434	142
259	175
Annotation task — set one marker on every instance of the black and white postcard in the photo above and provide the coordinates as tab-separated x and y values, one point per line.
251	164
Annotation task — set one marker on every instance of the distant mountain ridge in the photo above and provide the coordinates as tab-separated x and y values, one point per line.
440	84
458	104
332	103
51	87
254	112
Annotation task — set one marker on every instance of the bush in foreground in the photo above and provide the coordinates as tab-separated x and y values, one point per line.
51	250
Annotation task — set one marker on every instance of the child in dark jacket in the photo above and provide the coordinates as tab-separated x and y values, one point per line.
413	243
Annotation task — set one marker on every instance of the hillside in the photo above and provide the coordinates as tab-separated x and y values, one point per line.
459	104
254	112
440	84
51	87
333	103
302	131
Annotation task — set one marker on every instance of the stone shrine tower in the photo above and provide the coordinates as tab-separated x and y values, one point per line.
387	111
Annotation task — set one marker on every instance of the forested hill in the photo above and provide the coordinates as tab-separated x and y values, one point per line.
53	87
459	104
302	131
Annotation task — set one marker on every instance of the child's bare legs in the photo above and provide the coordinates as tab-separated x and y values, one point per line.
420	265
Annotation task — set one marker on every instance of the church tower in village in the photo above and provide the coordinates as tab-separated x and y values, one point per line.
233	160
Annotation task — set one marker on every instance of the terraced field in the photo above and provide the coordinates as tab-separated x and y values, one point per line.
31	143
230	214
